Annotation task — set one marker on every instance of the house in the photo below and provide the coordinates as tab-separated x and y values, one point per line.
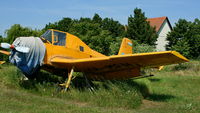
163	27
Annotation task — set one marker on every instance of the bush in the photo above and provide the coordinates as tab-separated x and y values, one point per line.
142	48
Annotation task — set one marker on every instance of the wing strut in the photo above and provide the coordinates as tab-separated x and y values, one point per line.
88	83
67	82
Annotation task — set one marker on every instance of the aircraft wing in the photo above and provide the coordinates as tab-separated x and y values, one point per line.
120	62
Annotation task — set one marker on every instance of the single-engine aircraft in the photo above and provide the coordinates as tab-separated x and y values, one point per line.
63	53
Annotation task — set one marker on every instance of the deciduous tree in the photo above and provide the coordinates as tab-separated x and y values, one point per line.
17	31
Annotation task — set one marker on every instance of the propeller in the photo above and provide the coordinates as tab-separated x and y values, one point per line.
18	48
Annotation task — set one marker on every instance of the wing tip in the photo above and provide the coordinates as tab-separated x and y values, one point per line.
180	56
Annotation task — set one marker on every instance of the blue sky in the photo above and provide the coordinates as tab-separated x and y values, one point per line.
38	13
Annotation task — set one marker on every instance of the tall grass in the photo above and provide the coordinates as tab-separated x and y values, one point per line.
123	94
191	68
173	89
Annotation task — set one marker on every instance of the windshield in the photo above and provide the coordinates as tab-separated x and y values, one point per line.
47	35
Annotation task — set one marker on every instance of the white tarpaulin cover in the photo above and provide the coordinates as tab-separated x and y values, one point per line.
29	62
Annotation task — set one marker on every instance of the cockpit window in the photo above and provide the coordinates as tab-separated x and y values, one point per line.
59	38
47	36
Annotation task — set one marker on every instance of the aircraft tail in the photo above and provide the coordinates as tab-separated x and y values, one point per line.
126	47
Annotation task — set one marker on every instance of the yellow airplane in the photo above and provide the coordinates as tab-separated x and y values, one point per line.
63	53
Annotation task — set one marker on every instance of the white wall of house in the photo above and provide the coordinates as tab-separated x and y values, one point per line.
162	35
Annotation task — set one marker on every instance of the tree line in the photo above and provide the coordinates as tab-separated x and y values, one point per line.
105	34
185	38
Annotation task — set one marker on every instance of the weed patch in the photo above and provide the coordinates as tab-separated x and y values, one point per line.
173	89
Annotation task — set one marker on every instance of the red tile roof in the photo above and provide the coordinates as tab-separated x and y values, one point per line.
158	22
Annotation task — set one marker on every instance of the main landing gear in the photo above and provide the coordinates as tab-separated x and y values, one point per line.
65	86
68	80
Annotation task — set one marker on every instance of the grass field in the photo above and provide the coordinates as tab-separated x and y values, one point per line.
175	89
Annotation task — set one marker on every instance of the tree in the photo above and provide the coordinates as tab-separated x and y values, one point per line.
64	25
93	35
101	42
185	38
51	26
113	26
182	47
17	31
180	32
194	40
1	38
96	19
139	29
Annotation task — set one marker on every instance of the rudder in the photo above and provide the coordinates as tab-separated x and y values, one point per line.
126	47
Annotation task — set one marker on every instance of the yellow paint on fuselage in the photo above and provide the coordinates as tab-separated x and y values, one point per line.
71	50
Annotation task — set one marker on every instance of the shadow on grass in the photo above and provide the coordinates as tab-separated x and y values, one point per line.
28	84
43	79
154	80
160	97
127	85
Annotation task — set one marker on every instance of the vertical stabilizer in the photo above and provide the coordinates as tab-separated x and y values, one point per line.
126	47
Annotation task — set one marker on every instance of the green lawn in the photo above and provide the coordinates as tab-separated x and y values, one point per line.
175	89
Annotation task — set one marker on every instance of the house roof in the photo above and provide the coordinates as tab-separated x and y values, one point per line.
158	22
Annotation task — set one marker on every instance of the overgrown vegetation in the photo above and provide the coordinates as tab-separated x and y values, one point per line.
122	94
173	89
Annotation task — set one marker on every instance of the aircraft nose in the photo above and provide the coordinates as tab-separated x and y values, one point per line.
28	62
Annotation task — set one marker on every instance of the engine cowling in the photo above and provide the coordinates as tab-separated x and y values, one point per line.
29	63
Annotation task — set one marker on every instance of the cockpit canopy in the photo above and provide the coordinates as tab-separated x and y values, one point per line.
55	37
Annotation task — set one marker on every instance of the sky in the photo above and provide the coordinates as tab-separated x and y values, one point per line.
37	13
